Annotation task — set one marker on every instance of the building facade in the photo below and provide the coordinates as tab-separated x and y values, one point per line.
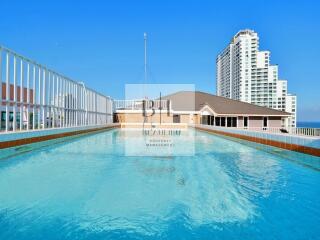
189	107
244	73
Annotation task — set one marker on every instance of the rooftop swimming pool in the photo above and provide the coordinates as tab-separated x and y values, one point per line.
89	188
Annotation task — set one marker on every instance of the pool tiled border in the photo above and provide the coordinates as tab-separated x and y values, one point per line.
284	145
50	135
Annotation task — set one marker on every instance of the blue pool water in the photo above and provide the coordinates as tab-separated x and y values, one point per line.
87	188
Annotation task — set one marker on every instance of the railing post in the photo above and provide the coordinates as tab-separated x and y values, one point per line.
64	102
21	95
28	95
44	108
53	101
96	109
7	90
14	93
34	99
48	99
0	81
77	103
39	98
59	95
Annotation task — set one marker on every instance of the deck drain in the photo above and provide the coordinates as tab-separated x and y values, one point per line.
181	182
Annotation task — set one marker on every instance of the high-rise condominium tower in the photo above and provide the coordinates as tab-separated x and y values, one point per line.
244	73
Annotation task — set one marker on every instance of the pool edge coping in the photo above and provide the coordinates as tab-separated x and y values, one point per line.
283	145
30	140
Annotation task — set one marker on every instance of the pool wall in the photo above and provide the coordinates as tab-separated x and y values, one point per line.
302	144
11	139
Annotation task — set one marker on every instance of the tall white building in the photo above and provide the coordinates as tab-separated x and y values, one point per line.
244	73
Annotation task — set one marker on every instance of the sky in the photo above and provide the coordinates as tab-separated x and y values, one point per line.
101	42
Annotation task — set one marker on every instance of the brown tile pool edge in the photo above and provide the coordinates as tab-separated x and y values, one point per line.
19	142
283	145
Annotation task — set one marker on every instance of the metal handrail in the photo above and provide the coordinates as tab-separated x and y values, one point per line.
298	131
44	98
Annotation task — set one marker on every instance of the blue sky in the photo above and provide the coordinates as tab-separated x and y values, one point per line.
101	42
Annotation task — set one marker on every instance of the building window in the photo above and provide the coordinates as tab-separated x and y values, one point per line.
212	120
217	121
229	121
176	118
245	122
234	122
265	122
223	122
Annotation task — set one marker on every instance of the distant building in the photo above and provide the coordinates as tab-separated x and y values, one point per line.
198	107
244	73
11	105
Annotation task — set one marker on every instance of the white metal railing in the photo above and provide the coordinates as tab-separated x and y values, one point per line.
287	130
280	130
35	97
141	104
305	131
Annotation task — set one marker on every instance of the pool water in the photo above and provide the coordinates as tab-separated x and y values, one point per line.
88	188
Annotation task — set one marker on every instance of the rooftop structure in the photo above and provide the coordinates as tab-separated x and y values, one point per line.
220	105
198	107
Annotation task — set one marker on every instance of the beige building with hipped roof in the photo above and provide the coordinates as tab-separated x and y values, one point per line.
198	107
